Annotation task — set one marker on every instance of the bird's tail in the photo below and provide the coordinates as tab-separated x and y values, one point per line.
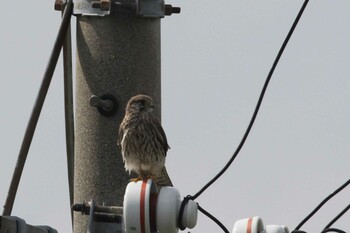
163	179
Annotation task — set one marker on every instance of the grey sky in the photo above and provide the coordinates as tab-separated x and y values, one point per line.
215	58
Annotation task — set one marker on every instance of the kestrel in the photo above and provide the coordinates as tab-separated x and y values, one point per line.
143	141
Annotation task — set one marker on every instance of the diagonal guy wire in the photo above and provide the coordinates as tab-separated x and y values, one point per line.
68	110
28	136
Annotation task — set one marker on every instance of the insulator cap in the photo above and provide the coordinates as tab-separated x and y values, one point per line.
255	225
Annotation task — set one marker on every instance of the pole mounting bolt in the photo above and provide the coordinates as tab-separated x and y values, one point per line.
104	5
59	5
169	10
107	104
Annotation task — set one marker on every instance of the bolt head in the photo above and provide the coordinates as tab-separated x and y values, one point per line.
105	4
58	5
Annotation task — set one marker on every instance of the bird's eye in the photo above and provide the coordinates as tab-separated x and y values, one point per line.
142	102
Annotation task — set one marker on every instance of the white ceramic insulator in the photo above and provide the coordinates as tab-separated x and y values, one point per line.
253	225
132	206
276	229
189	217
167	209
137	206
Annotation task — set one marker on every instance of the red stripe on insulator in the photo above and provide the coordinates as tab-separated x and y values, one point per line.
249	225
142	206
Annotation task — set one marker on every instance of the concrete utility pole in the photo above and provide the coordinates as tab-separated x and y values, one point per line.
119	55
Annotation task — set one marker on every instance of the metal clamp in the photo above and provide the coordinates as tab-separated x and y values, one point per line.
17	225
142	8
150	8
154	9
92	7
102	219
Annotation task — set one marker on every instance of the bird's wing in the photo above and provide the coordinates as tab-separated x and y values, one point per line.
160	134
163	178
120	134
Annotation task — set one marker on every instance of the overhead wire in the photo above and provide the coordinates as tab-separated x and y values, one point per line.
337	217
213	218
256	110
333	230
324	201
253	118
33	120
68	110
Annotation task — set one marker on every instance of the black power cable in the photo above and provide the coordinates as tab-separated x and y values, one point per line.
257	105
28	136
213	218
321	204
337	217
333	230
249	126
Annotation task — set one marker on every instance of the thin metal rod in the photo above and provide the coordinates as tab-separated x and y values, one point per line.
28	136
84	208
69	112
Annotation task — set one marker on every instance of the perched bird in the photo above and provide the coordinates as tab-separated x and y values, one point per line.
143	142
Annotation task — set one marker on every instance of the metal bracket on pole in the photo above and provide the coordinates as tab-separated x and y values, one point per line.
150	8
142	8
87	7
102	219
155	9
12	224
92	7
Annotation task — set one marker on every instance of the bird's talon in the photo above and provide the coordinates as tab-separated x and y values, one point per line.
135	179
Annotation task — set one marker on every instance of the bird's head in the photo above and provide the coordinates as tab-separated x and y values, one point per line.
140	103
